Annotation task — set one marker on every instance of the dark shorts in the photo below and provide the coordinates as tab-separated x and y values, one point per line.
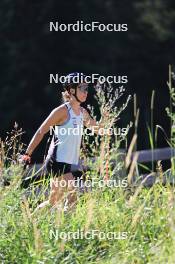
57	168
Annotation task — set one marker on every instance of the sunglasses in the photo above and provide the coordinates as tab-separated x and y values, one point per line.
83	87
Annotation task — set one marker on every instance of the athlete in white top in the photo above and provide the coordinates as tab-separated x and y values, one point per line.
65	146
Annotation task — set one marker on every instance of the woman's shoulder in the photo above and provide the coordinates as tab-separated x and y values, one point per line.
59	114
60	109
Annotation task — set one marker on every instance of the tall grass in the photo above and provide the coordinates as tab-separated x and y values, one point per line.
146	215
143	219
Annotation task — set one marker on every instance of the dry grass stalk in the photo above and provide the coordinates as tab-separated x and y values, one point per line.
90	213
132	168
130	150
160	170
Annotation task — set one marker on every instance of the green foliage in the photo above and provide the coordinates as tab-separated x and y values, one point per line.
147	218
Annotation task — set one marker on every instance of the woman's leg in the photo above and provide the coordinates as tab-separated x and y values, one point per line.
62	187
71	190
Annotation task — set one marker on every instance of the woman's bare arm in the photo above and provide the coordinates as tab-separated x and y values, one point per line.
56	116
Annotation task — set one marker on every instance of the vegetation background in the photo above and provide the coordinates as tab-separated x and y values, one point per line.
28	54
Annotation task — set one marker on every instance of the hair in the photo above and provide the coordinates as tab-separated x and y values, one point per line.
66	96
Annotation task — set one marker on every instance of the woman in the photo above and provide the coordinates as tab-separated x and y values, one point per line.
65	147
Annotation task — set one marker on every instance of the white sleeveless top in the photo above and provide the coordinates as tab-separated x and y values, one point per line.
65	145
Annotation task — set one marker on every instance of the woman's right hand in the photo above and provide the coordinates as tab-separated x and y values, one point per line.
25	159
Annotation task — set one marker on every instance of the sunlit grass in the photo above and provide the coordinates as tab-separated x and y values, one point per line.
147	216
